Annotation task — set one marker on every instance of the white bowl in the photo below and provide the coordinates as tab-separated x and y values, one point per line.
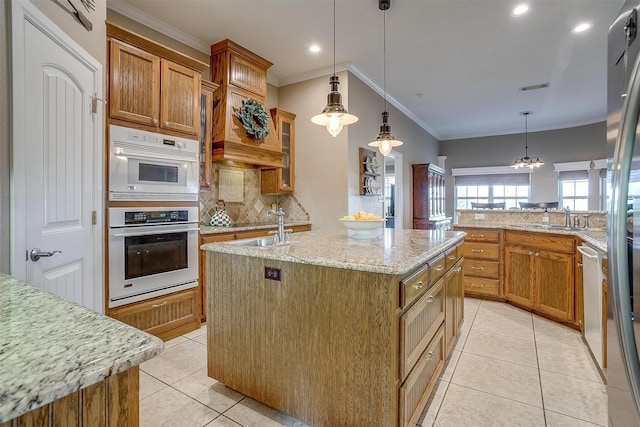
362	228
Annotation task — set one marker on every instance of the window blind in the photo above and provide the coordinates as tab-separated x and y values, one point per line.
493	179
572	175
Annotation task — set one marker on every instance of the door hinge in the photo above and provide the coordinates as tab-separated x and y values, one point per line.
94	218
94	103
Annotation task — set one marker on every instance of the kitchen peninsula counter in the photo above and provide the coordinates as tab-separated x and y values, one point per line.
334	330
58	359
596	237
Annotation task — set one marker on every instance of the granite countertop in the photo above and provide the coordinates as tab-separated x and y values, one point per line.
596	237
50	347
207	229
390	251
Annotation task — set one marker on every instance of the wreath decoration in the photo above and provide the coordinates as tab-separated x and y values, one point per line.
254	118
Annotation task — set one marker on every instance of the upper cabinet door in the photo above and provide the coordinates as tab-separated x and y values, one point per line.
180	98
135	84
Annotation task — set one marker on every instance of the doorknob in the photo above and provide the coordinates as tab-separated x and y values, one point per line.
36	254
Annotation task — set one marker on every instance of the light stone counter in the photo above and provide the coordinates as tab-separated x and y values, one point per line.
207	229
50	347
596	237
390	251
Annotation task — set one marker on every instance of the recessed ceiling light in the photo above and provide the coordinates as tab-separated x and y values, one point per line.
314	48
521	9
583	26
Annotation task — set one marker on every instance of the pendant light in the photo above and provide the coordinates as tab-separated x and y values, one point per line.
385	140
526	161
335	115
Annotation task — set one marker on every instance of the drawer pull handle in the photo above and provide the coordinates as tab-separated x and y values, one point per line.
477	235
478	251
418	285
476	285
430	299
473	267
451	257
429	357
158	305
438	268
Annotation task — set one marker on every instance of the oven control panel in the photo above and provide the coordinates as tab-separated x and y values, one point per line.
150	217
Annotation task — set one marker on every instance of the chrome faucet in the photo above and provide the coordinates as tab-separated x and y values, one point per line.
281	236
567	217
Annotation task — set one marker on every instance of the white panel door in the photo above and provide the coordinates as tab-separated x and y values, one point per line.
57	142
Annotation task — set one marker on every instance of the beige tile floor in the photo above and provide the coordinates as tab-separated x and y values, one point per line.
508	368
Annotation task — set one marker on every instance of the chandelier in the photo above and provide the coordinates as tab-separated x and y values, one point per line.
526	161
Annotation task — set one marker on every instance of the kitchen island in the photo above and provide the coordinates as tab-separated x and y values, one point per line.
62	364
333	330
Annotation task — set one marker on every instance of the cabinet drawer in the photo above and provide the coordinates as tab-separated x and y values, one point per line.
476	267
452	256
158	316
418	326
415	390
552	242
480	235
481	285
412	286
437	268
481	250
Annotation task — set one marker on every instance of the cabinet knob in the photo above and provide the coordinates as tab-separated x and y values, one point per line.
458	270
155	121
530	253
579	264
537	254
429	357
430	299
166	123
418	285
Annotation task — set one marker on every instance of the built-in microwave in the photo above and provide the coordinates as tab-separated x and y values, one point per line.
147	166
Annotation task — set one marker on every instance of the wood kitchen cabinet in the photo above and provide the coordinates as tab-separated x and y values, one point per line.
280	180
152	87
540	273
206	132
454	285
482	251
166	316
429	198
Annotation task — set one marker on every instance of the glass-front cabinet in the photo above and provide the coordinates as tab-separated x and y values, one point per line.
429	198
280	180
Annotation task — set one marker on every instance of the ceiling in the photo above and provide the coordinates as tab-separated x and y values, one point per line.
453	66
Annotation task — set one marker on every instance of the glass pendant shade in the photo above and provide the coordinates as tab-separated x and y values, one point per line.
385	140
334	116
526	161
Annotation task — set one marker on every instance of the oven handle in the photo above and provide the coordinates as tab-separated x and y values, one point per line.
146	155
144	231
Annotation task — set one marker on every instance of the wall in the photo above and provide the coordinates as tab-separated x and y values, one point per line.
554	146
419	146
321	161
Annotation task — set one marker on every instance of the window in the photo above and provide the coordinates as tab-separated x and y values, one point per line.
511	189
573	190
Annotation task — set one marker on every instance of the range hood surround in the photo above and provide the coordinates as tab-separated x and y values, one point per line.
242	75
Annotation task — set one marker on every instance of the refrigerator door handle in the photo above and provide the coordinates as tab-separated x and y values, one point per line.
621	296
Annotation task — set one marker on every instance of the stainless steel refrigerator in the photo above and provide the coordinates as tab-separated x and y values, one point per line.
623	311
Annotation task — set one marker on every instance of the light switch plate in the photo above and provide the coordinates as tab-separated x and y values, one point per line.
479	216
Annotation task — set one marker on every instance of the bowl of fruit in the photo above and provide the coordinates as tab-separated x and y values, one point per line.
363	223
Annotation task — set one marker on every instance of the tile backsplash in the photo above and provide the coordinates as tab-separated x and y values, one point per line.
597	219
254	206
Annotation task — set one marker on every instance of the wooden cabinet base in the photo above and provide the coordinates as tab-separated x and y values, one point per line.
166	317
113	402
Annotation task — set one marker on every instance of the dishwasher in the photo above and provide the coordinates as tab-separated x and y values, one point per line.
592	294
